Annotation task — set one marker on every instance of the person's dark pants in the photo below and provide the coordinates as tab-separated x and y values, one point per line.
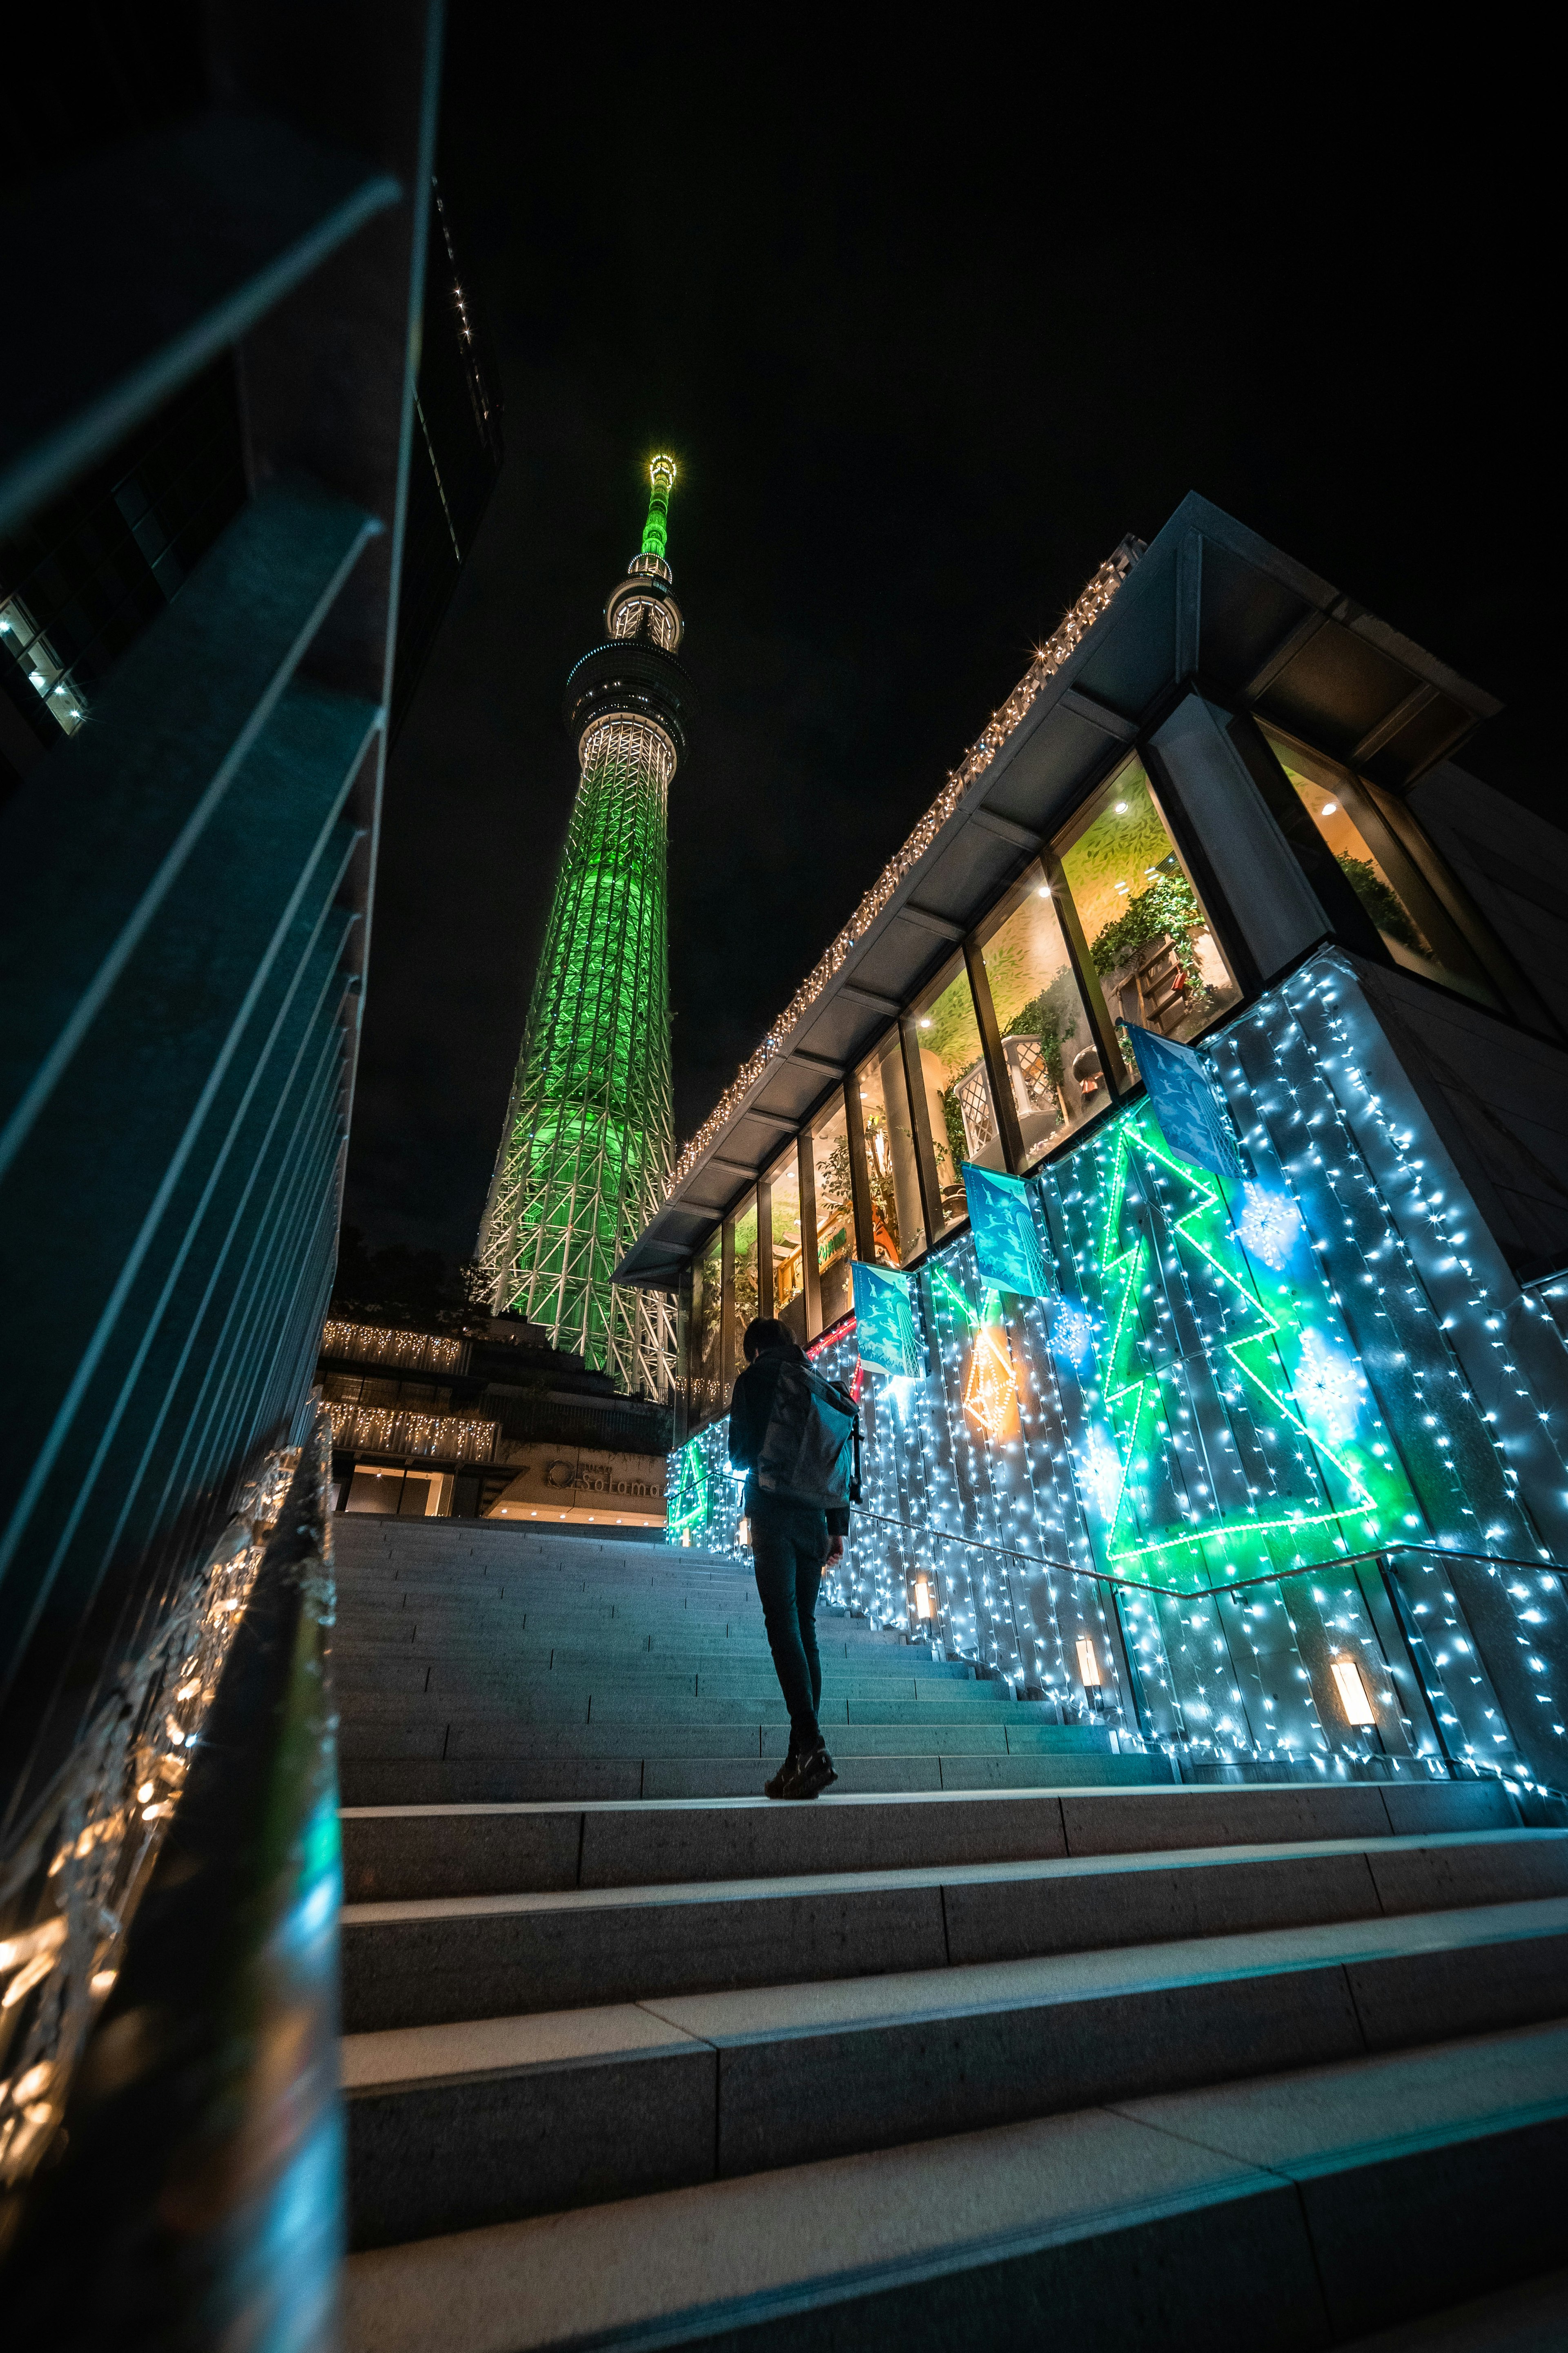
789	1546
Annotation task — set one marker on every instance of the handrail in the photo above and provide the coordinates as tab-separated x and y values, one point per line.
204	2120
1201	1592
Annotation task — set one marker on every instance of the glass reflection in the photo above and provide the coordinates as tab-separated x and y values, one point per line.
834	1210
704	1349
957	1090
1048	1046
1332	807
743	1294
898	1222
789	1281
1149	937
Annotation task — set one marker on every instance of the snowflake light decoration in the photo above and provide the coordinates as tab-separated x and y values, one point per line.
1102	1476
1072	1329
1329	1388
1268	1225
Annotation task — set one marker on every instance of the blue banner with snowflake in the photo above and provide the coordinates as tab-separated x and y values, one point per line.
1188	1103
884	1326
1006	1239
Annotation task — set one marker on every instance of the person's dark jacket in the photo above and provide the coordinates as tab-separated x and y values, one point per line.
749	1406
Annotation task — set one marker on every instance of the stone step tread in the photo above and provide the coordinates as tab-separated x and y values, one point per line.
923	2218
472	1735
419	1774
397	2056
426	1961
613	1844
1051	1870
607	1704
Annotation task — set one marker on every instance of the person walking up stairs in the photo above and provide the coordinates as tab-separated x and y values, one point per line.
992	2042
791	1433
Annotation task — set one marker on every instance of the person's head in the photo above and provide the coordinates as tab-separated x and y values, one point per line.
762	1334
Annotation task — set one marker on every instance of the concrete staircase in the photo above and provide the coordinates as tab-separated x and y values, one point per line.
1127	2065
481	1663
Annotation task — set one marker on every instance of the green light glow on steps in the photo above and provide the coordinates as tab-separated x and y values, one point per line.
655	537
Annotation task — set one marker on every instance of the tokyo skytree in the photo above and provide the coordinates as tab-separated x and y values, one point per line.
585	1153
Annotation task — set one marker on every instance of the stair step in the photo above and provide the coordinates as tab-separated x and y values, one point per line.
398	1851
431	1961
511	1735
1291	2208
454	2126
412	1771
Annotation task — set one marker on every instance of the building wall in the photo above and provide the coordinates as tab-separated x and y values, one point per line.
1240	1385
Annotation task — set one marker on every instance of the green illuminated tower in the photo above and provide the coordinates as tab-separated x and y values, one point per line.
586	1152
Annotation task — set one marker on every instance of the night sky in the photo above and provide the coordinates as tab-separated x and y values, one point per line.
925	351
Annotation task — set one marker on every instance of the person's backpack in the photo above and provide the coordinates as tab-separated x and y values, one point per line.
810	1451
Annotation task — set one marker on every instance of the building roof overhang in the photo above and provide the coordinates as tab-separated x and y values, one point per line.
1209	604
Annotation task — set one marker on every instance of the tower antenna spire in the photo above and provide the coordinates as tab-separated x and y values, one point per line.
661	474
589	1137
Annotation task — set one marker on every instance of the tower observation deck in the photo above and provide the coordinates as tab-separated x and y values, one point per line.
586	1152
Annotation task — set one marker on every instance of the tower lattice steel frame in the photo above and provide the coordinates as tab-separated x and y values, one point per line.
586	1149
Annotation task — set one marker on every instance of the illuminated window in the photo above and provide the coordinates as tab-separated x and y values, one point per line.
1048	1045
898	1223
789	1281
1148	936
923	1607
1088	1664
957	1090
834	1210
1346	819
704	1347
743	1293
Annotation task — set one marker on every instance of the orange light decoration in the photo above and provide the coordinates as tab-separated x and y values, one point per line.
991	1387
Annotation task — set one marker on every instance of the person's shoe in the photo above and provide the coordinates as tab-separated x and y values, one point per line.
803	1775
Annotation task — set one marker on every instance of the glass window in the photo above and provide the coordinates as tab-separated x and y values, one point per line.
834	1210
744	1298
1052	1061
789	1284
704	1349
957	1091
1324	799
898	1222
1148	938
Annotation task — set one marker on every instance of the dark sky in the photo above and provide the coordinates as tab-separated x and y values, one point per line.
925	349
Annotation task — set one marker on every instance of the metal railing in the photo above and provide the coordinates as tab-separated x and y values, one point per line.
1460	1710
201	2137
180	992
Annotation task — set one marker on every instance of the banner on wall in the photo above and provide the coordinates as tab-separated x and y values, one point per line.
1188	1103
1006	1239
884	1324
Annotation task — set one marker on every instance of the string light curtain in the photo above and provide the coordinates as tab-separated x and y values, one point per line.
1243	1385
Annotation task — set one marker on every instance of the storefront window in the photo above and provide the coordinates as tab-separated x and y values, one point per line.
898	1225
957	1091
743	1294
835	1211
1324	799
789	1281
704	1349
1053	1064
1148	938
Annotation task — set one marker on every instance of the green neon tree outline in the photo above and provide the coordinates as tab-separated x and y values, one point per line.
688	1506
1127	1263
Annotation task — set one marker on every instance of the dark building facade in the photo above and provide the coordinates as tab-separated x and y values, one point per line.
456	454
204	493
1236	1416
